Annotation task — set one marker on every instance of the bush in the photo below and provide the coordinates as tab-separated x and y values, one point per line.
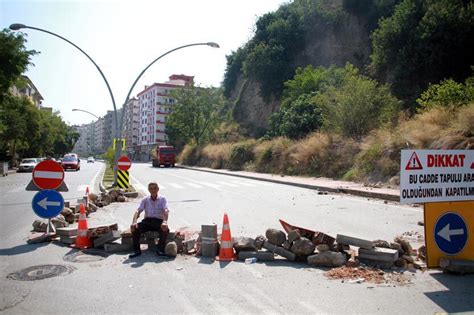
189	155
216	155
448	93
240	154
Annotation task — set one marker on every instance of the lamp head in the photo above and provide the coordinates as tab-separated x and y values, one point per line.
213	45
17	26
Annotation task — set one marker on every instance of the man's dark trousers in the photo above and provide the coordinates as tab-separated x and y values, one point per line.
149	224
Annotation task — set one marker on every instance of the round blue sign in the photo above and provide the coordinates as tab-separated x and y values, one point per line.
47	203
450	233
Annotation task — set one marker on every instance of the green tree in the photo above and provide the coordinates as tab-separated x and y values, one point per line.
299	113
424	42
14	59
448	93
195	116
357	107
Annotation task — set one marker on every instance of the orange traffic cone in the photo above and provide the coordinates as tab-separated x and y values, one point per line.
83	240
226	252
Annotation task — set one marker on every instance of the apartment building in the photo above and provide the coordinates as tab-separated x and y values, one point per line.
131	127
28	89
155	104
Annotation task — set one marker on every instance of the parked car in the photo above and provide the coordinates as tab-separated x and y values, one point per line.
90	159
71	162
27	165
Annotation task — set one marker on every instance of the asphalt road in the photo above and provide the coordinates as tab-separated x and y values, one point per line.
188	284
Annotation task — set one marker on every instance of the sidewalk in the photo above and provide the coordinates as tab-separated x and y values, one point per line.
324	184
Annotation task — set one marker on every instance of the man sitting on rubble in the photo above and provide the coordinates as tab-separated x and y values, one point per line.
156	217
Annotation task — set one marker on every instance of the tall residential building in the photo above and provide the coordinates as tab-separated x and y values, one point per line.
98	138
28	89
155	105
130	127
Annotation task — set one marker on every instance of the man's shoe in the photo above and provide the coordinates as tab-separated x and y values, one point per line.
134	255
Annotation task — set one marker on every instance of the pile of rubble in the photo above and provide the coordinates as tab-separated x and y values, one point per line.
325	251
70	214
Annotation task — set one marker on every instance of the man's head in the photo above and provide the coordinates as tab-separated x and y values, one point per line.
153	189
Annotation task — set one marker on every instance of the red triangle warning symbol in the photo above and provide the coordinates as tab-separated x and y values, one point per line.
414	163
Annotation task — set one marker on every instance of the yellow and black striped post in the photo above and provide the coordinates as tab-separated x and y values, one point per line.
122	179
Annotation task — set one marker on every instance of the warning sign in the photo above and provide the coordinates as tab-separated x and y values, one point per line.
414	163
436	175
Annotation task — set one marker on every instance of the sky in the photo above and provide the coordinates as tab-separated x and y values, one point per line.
123	37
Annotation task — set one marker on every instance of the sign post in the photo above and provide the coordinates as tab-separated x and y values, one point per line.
444	181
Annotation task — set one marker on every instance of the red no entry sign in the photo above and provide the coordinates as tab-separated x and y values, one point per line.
124	163
48	175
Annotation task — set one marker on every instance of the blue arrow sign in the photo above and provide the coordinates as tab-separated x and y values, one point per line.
450	233
47	203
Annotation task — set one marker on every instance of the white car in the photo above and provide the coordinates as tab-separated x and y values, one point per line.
27	165
90	159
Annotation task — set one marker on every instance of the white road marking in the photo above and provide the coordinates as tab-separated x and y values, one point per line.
178	186
243	183
194	185
211	185
227	184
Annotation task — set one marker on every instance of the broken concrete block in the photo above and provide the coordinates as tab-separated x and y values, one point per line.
66	212
286	245
209	232
59	221
348	240
67	231
171	249
381	243
39	237
68	239
116	247
409	258
131	194
303	247
244	243
259	241
327	259
279	251
40	226
93	207
188	246
461	266
121	198
322	248
379	254
293	235
377	263
406	247
276	237
209	249
260	255
107	238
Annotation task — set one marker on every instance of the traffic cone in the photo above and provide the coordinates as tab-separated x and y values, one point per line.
226	252
83	240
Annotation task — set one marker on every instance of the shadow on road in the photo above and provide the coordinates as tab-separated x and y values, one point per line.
21	249
146	257
459	294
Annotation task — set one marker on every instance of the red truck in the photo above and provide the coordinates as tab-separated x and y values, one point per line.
165	155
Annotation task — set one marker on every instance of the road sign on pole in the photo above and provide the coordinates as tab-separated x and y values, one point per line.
124	163
48	175
47	203
448	231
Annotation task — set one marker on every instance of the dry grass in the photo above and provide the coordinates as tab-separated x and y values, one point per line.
375	158
216	155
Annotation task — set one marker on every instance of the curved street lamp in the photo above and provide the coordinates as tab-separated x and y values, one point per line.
18	26
119	146
81	110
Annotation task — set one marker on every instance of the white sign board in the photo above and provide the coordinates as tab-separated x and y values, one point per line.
436	175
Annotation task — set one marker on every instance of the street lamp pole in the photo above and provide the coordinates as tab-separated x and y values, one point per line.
81	110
